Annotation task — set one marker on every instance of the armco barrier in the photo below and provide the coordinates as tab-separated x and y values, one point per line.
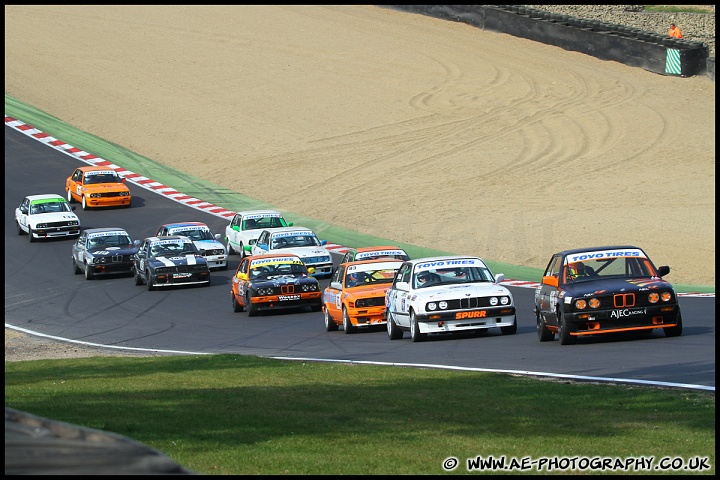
607	41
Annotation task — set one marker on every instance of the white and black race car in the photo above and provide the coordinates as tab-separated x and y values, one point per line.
103	251
169	261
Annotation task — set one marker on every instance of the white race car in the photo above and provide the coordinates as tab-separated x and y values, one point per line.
245	228
298	240
447	294
46	216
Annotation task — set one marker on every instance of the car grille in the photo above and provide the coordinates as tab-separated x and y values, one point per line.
64	223
114	194
373	302
468	302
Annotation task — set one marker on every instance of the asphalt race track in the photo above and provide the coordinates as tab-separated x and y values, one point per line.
42	295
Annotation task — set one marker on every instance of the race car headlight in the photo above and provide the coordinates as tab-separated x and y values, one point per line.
310	287
432	306
41	225
161	270
594	303
581	304
666	296
99	260
95	195
493	301
265	291
504	300
443	305
124	194
72	223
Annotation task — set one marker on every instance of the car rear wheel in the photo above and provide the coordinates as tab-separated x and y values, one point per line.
394	332
237	306
674	331
415	329
544	334
251	309
89	274
564	332
347	324
330	324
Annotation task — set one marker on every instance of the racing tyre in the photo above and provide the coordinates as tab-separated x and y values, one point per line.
415	329
510	330
544	334
251	309
237	307
330	325
138	279
150	285
70	198
241	252
347	325
30	234
76	269
89	274
84	203
564	333
674	331
229	248
394	332
20	230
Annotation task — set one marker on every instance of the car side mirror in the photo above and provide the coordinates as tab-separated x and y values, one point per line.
402	286
551	280
499	277
73	208
664	270
217	236
323	242
290	224
336	285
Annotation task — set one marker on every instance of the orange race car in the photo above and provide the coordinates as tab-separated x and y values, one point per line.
97	187
356	294
272	282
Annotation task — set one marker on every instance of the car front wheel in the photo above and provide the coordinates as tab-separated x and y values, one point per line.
237	307
19	228
674	331
76	269
330	324
30	234
136	275
564	332
415	329
148	280
251	309
89	273
84	203
347	324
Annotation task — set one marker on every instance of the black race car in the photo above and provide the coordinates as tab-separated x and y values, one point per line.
600	290
169	261
103	251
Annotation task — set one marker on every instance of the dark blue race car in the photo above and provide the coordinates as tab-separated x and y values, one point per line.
169	261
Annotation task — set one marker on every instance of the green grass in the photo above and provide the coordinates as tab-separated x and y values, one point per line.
680	8
234	414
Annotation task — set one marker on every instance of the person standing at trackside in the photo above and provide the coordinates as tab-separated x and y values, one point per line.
675	31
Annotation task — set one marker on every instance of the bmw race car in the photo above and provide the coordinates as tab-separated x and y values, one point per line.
300	241
103	251
207	243
355	297
272	282
601	290
445	295
97	187
245	228
367	253
169	261
46	216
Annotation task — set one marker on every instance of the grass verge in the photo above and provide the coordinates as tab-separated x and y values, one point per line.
235	415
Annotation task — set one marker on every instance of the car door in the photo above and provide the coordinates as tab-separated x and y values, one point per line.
546	295
397	296
140	259
332	296
22	213
78	249
72	185
232	232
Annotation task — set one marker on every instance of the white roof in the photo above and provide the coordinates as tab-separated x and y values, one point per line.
46	196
